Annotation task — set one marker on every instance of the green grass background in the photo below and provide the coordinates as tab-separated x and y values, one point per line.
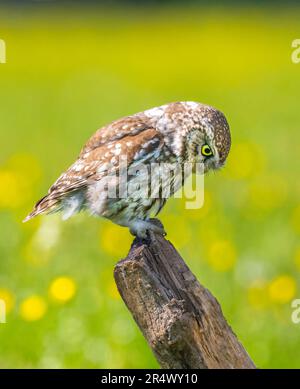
71	70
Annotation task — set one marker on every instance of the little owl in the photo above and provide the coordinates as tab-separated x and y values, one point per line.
177	133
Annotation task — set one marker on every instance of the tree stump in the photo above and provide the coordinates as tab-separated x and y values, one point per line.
181	320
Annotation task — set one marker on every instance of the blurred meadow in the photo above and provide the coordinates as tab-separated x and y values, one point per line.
73	69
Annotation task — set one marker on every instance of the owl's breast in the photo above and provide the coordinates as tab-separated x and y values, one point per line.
139	194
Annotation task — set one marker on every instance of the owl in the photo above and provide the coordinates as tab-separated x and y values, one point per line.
128	154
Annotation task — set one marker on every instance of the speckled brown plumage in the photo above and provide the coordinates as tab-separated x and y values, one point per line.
171	133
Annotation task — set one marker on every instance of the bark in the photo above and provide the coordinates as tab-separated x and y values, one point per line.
181	320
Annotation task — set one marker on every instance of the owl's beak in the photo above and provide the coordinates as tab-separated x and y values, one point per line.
212	164
218	165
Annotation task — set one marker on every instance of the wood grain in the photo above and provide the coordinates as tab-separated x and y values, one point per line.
181	320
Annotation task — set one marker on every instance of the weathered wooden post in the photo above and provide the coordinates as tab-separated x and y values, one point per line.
180	319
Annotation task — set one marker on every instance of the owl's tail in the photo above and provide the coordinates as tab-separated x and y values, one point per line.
47	204
69	204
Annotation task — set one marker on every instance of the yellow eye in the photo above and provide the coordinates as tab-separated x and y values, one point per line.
206	151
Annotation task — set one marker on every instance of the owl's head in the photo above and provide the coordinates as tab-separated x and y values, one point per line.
208	137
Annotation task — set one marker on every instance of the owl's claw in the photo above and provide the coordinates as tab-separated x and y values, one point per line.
141	228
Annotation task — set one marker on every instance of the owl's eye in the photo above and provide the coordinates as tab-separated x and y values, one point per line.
206	151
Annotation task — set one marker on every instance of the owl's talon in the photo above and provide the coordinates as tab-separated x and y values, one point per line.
141	229
141	234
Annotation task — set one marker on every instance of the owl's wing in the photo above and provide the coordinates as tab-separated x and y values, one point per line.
117	130
134	143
